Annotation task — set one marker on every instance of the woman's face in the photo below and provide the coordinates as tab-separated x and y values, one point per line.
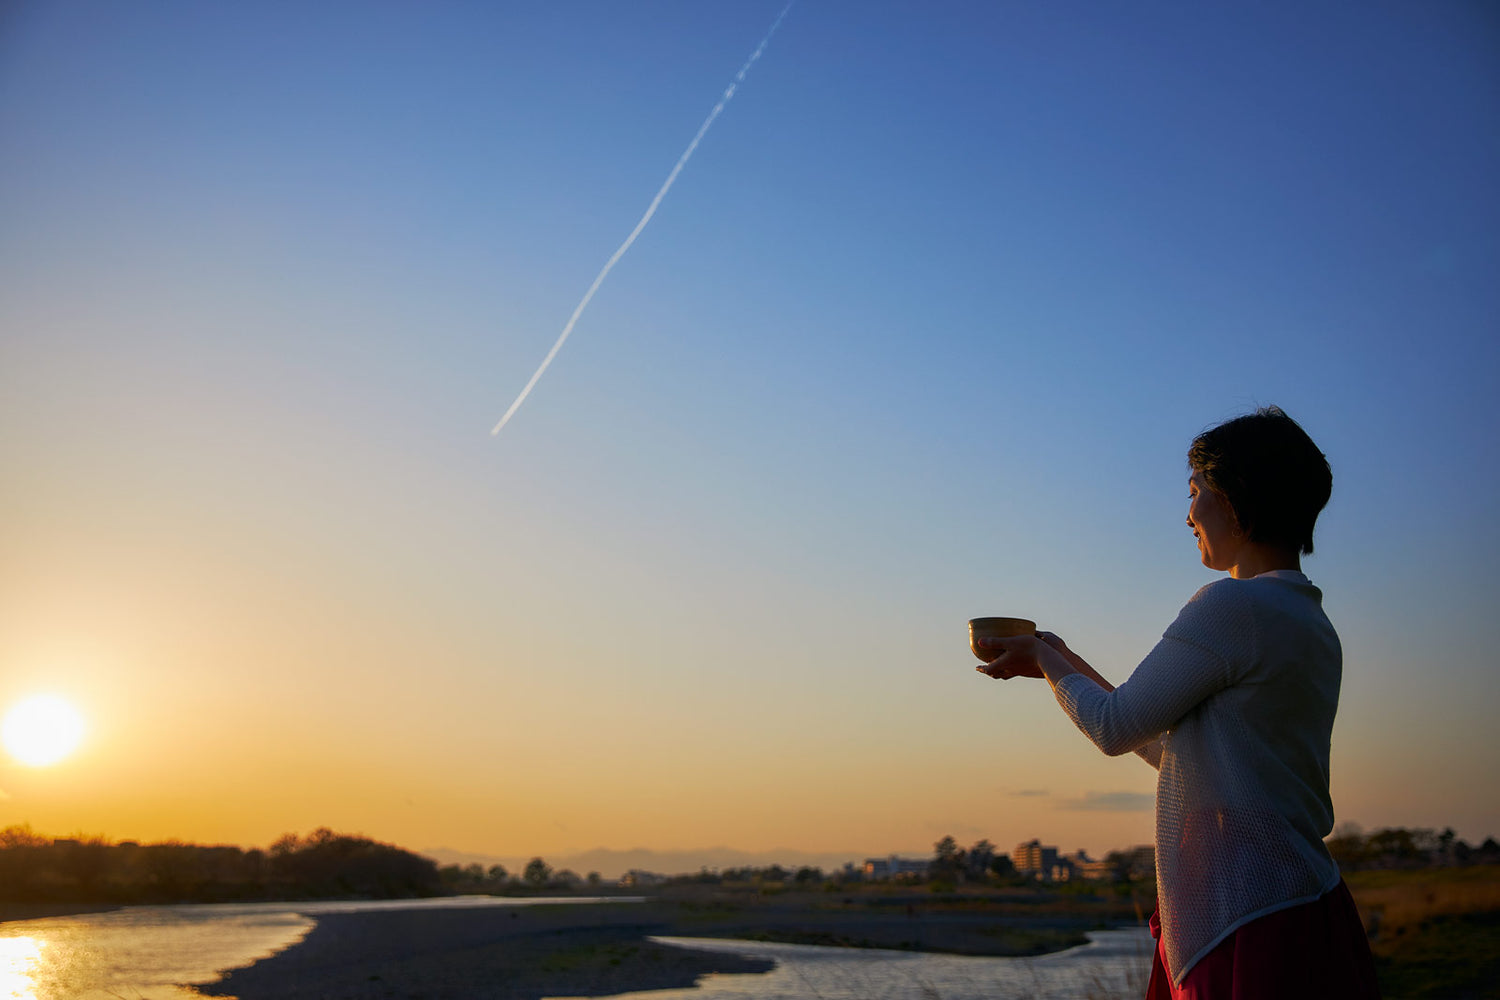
1214	525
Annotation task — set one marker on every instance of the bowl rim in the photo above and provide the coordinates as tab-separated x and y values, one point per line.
995	619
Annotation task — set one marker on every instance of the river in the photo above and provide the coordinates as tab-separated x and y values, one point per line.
161	952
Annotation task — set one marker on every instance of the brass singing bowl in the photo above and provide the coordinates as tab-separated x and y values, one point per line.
997	628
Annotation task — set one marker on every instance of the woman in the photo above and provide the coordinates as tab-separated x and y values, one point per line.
1234	707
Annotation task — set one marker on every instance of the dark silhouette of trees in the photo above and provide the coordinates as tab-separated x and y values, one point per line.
947	861
808	875
1002	867
22	836
977	861
951	863
1399	847
91	869
331	864
538	873
325	864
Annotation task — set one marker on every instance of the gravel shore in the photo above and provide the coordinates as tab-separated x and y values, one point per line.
492	953
597	949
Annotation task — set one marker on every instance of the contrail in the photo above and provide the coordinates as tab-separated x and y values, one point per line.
687	154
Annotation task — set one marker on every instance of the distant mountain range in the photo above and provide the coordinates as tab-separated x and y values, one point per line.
611	864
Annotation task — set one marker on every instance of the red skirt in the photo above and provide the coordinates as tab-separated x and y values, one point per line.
1315	951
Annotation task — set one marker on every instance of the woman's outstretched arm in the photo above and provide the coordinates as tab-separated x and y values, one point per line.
1151	752
1043	657
1207	648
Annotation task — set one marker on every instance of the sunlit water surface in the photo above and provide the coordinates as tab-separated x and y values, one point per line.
142	952
1114	965
161	952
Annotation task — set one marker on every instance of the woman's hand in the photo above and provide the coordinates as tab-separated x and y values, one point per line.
1054	640
1014	656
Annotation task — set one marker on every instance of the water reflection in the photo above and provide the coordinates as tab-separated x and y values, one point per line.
19	956
144	953
1114	965
160	952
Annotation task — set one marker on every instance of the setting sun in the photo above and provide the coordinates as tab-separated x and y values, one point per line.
41	730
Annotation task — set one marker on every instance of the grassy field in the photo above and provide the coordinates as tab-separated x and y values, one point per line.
1435	931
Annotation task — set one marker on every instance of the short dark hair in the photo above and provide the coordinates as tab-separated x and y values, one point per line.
1274	477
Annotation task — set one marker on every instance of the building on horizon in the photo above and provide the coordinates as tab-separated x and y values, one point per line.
1035	859
1031	858
1079	865
893	867
638	879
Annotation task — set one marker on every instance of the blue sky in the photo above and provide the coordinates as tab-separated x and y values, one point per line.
922	332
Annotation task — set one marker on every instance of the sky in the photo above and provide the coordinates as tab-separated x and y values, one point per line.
922	332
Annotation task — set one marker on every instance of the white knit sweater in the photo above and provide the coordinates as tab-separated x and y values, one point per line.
1242	691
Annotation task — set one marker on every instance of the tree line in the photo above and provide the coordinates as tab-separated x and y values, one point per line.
1399	847
537	876
980	864
322	865
950	865
325	864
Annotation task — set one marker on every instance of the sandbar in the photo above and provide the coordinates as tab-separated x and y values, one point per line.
599	949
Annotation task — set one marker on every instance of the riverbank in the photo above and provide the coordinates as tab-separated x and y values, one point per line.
492	953
38	911
525	953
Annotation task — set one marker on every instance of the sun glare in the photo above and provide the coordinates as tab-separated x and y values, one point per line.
19	957
41	730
